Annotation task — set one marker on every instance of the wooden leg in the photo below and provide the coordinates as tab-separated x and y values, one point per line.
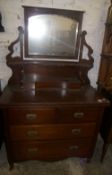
11	165
105	147
0	144
88	160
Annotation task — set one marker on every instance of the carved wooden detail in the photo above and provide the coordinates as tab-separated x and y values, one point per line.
90	50
75	70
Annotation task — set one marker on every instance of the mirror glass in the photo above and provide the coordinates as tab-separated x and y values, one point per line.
53	35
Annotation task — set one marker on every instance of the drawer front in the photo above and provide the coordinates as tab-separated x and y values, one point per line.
52	115
79	114
42	132
52	150
31	116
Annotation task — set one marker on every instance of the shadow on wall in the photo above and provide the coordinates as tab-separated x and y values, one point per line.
1	27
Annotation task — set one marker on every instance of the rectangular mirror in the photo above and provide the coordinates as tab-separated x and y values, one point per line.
52	33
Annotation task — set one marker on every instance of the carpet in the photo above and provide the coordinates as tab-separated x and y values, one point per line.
69	166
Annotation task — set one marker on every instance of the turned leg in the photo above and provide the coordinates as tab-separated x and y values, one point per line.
11	165
88	160
0	143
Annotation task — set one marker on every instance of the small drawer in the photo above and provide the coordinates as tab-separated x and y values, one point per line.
31	116
78	114
51	150
44	132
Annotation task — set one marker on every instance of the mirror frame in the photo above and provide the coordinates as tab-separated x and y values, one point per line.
75	15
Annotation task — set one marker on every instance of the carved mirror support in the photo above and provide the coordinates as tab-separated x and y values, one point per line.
60	63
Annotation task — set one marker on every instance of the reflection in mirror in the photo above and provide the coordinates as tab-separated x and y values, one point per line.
52	35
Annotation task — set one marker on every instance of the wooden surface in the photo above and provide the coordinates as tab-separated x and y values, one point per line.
51	150
15	95
106	131
50	125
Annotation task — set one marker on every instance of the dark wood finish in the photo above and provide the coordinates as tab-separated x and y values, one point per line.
51	132
50	110
26	73
48	117
106	144
106	127
52	115
54	150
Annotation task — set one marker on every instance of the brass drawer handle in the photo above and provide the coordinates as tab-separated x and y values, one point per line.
76	131
78	115
31	117
73	148
32	133
32	150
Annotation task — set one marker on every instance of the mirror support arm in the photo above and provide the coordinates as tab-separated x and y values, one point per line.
18	40
90	50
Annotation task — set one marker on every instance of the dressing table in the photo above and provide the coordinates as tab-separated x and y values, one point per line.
50	110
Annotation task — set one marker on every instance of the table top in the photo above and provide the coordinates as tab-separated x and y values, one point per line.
19	96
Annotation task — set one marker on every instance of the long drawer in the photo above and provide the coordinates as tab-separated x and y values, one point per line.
59	131
50	150
52	115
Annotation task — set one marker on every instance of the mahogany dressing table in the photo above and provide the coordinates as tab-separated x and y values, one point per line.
50	110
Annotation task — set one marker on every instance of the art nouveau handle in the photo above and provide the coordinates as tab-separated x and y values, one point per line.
32	133
31	116
76	131
73	148
78	115
32	150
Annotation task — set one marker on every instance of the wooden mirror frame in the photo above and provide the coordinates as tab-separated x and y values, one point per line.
74	15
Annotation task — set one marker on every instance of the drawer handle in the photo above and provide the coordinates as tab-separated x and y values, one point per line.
78	115
73	148
32	150
31	116
32	133
76	131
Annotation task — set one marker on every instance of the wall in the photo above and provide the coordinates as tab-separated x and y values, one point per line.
93	23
